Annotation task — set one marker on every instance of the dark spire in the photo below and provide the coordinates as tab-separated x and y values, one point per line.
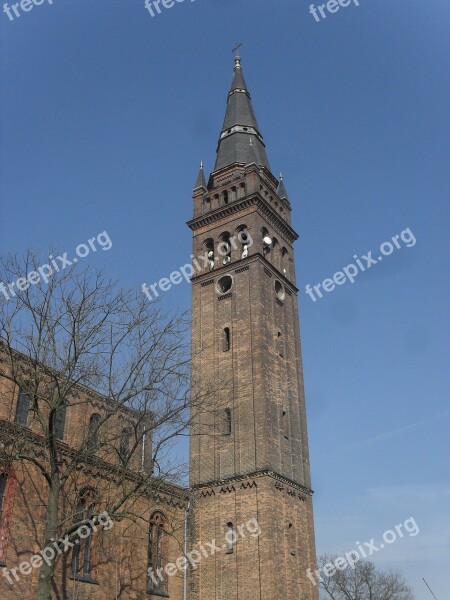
239	123
282	189
252	157
201	182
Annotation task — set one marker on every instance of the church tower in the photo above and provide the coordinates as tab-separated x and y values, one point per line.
249	450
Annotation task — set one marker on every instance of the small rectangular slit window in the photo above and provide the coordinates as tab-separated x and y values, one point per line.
228	422
226	341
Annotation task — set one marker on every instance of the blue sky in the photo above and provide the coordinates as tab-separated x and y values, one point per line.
106	113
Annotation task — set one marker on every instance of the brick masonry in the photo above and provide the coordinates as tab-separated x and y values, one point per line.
120	554
260	468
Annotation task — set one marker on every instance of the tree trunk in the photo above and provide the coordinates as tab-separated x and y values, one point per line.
44	589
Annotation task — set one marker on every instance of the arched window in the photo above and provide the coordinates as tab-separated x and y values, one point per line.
92	441
285	261
3	484
291	539
22	408
231	538
82	549
280	344
224	248
285	424
245	240
276	258
225	197
125	438
226	339
266	240
228	422
157	556
59	421
209	249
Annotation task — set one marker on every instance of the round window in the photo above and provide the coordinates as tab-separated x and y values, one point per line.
279	291
224	284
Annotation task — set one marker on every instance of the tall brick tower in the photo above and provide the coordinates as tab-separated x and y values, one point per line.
249	452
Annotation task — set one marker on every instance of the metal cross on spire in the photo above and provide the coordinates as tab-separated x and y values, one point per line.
236	48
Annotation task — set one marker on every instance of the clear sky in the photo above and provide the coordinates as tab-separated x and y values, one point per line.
106	113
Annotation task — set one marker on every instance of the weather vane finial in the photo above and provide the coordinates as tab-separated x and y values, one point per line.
236	48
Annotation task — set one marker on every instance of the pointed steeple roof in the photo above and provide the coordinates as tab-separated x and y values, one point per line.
282	189
252	157
201	181
240	122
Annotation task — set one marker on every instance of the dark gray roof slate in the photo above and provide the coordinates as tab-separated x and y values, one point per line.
282	189
201	181
233	147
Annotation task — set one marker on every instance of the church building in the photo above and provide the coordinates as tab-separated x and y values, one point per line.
243	530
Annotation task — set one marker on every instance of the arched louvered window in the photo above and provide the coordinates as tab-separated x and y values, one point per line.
210	255
59	421
224	247
125	439
285	262
22	408
83	542
93	438
157	556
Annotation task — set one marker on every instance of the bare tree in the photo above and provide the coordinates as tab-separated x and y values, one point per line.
362	581
76	341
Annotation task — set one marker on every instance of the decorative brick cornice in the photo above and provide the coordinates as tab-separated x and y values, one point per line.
227	489
225	296
11	433
79	390
255	200
244	477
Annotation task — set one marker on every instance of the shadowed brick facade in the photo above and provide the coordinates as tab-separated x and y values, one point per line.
119	554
